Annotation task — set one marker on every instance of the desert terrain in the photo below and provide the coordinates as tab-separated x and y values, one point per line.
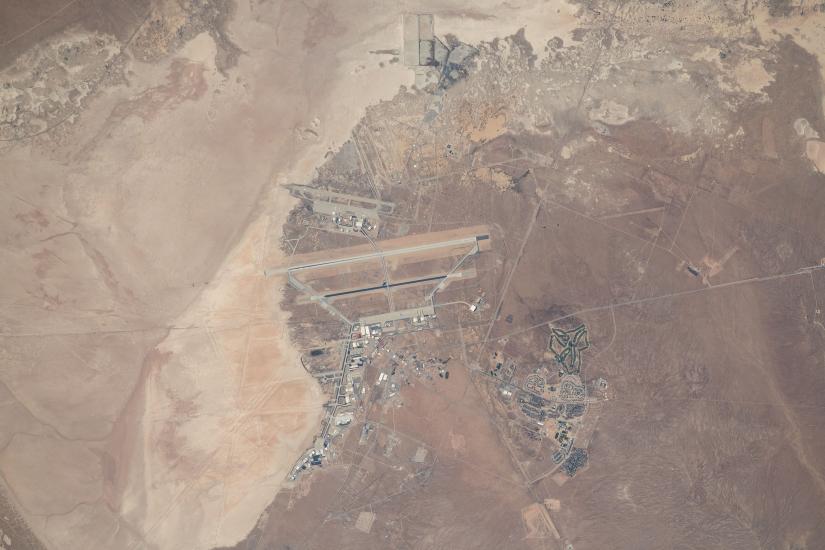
424	275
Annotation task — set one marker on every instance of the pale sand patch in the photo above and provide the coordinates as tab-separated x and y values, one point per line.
716	265
204	438
365	521
491	128
751	75
156	172
804	130
611	112
494	176
708	54
815	151
481	21
537	522
231	409
228	412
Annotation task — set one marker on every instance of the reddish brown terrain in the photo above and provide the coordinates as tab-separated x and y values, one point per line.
557	287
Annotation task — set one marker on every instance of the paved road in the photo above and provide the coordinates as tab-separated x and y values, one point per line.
372	255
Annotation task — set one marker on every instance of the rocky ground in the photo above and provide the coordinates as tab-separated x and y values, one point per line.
152	397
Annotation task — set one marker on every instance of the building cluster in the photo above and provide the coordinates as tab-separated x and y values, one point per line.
341	211
553	409
341	410
504	369
571	389
576	460
346	221
532	406
366	342
351	383
373	327
535	383
564	439
434	61
311	457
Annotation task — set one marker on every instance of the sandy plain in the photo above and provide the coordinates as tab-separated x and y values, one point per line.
152	397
